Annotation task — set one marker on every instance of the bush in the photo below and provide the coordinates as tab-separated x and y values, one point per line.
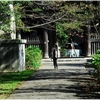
33	56
96	64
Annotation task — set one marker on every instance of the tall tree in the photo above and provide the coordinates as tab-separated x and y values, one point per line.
69	15
4	16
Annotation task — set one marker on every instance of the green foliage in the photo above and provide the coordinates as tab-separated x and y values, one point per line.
74	26
96	64
62	36
20	14
76	15
37	10
98	51
4	16
33	57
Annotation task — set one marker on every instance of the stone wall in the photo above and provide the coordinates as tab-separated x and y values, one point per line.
12	55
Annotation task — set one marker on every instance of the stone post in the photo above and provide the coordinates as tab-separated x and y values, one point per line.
46	51
12	55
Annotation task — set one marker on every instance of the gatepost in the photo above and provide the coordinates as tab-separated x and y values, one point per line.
12	55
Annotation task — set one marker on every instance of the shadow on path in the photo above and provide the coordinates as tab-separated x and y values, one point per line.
58	84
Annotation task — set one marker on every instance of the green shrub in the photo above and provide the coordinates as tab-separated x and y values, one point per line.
96	64
33	56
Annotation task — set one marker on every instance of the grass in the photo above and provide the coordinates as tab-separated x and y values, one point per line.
11	80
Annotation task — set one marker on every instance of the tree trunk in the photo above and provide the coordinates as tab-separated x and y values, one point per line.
12	22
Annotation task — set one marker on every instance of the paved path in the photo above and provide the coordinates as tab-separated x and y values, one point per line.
67	82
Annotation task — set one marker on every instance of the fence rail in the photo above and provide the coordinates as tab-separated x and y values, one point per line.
33	41
94	47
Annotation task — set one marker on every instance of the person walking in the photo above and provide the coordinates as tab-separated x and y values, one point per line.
55	56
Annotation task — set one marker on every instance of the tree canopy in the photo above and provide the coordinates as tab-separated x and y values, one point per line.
69	16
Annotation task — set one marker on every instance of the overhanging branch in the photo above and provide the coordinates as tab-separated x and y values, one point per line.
40	25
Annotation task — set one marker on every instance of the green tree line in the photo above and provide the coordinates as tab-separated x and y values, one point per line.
69	16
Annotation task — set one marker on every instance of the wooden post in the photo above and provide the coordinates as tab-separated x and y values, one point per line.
89	41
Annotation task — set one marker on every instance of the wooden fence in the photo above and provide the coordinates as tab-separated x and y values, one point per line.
33	41
95	42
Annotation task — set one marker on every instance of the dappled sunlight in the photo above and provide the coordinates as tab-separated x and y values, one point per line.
57	84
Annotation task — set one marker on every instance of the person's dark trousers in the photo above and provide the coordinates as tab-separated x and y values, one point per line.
55	63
